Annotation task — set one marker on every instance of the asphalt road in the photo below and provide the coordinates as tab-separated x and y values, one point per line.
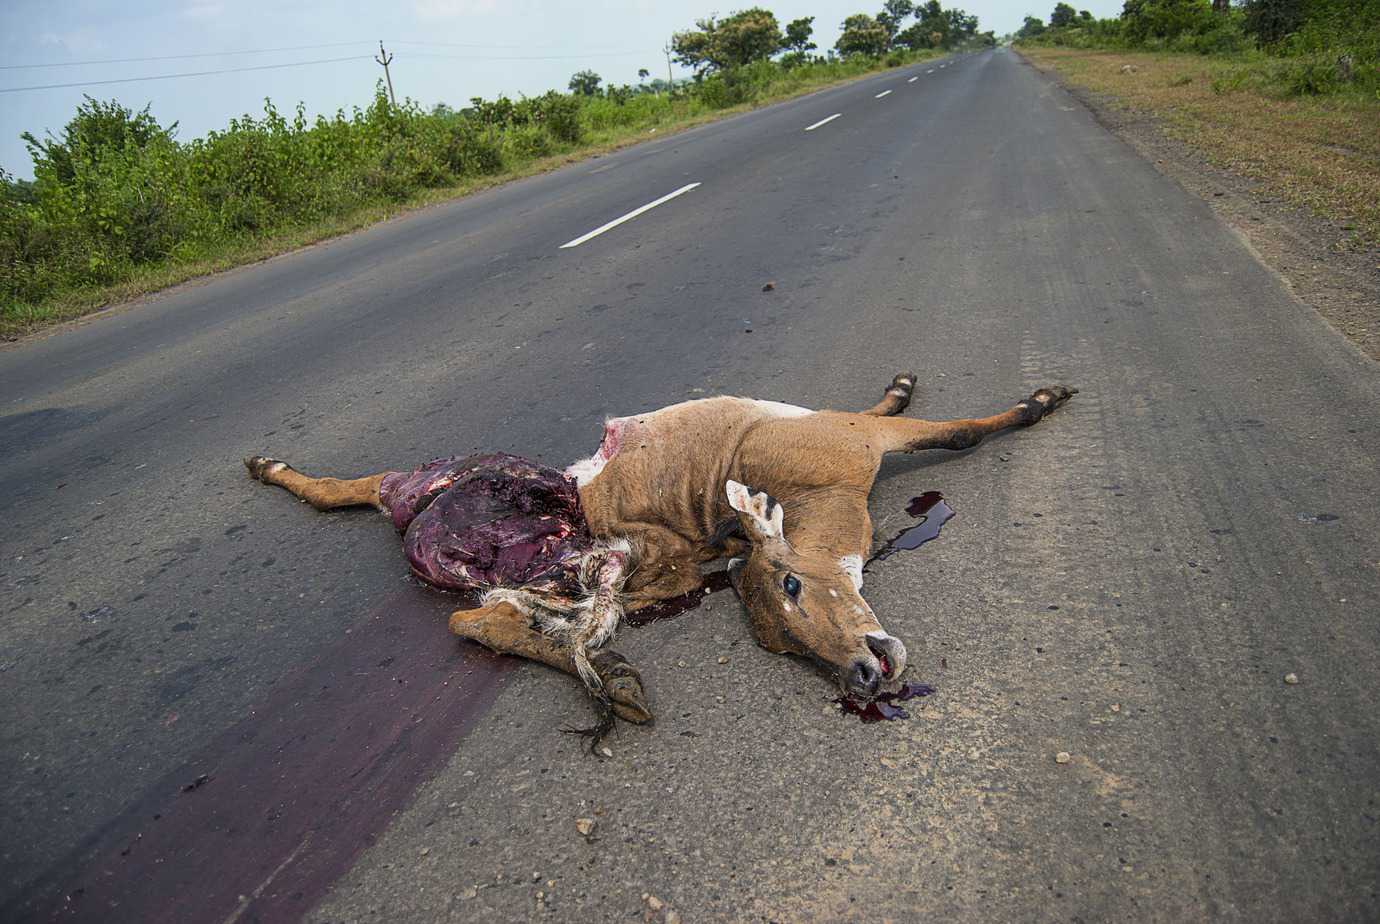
217	704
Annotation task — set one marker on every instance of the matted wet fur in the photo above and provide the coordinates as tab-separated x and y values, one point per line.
782	489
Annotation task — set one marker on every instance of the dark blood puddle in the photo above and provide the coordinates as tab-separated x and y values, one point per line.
932	512
884	707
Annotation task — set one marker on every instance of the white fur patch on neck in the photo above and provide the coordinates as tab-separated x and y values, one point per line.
852	565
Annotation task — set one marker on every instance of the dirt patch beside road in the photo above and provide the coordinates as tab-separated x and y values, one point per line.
1299	180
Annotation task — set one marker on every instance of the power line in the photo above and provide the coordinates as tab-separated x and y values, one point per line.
612	54
200	54
455	44
228	70
464	45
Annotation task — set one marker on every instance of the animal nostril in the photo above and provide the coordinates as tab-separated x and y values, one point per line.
866	677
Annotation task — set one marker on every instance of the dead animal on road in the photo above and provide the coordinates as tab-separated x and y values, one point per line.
561	556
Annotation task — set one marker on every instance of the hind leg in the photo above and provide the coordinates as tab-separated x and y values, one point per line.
503	626
897	396
321	493
957	435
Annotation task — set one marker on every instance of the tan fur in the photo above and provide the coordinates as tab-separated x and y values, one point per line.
664	491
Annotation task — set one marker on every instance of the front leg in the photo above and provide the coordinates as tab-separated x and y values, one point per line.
895	434
897	396
505	627
674	578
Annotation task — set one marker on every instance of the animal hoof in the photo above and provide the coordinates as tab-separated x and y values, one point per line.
623	687
258	465
1054	396
1045	400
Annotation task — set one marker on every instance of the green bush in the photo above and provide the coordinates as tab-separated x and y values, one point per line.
524	142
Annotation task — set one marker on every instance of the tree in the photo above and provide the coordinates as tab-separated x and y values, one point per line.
798	32
1085	17
893	13
722	45
585	83
933	20
1166	19
1271	20
862	35
643	73
1063	15
1031	28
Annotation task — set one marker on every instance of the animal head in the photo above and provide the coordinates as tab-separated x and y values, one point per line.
806	601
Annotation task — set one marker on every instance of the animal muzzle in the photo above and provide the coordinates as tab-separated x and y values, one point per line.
885	660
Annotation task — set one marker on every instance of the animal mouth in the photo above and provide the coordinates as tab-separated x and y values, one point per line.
883	647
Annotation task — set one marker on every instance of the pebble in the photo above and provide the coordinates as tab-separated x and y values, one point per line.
605	751
655	903
585	826
1291	678
1116	707
426	850
888	763
672	916
1062	757
469	893
723	659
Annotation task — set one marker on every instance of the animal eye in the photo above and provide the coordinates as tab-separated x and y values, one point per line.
792	585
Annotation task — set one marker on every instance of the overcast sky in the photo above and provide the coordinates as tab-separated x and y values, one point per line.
521	47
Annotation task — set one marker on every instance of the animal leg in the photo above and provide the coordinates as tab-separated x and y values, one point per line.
504	627
596	618
900	435
896	398
321	493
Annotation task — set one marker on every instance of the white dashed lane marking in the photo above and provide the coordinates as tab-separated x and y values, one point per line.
810	128
881	94
930	71
913	79
629	217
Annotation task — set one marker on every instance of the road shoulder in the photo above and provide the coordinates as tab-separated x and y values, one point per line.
1316	257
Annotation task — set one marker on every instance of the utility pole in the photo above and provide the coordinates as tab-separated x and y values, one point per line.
670	81
386	59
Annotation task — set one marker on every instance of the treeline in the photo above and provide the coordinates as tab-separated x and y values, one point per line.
1304	46
116	194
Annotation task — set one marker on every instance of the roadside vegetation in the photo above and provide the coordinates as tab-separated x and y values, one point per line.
1286	92
119	205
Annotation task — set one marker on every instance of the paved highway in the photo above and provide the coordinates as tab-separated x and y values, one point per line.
217	704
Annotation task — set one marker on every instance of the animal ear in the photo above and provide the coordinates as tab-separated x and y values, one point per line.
760	513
